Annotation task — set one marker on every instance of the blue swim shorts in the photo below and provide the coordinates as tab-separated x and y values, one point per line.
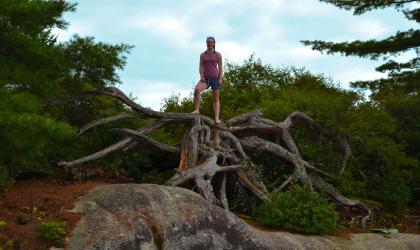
213	82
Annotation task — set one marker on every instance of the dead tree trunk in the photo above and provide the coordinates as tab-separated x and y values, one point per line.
208	149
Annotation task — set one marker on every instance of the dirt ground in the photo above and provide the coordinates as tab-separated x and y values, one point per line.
30	202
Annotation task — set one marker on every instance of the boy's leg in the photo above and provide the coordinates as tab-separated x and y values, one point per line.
216	105
198	88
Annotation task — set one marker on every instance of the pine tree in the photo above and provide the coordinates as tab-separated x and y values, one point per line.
399	92
402	75
34	68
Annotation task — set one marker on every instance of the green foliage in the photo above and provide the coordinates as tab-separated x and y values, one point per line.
134	164
362	6
95	63
29	59
415	185
378	153
52	230
82	174
141	167
391	190
352	183
10	243
391	46
27	133
34	69
5	181
3	223
300	210
398	93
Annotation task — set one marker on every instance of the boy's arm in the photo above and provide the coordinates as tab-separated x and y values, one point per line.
201	68
220	66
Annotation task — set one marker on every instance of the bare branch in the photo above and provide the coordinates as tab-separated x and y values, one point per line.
328	189
208	167
223	198
119	95
106	151
284	184
254	121
256	143
247	183
235	141
107	120
206	189
158	144
114	147
346	151
230	168
244	118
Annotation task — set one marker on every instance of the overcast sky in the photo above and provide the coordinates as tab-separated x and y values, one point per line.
170	35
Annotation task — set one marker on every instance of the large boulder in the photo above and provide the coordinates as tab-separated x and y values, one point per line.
147	216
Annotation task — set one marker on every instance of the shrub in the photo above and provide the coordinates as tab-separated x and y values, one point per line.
3	223
300	210
5	181
52	230
29	136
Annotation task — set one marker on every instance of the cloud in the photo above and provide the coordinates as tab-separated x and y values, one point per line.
356	73
169	35
266	31
172	28
82	28
150	93
268	6
369	28
233	51
303	52
308	8
290	8
406	56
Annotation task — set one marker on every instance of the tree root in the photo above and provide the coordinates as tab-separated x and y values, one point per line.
207	149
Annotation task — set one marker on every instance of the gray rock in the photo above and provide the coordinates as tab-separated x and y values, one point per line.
147	216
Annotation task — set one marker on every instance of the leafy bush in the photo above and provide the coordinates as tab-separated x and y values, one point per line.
300	210
27	133
390	190
52	230
5	181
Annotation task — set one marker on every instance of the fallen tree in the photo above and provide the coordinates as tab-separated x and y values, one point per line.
208	149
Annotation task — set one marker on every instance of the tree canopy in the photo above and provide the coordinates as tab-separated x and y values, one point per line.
402	75
398	93
34	68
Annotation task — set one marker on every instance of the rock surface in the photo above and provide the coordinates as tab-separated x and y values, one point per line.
147	216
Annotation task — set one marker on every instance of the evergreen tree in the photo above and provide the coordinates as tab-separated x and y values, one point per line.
35	68
399	92
402	75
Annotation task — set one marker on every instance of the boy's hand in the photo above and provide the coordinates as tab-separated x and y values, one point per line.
220	82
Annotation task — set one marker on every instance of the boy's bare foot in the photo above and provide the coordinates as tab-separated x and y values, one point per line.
218	122
195	112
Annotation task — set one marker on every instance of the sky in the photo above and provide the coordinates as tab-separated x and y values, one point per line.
168	37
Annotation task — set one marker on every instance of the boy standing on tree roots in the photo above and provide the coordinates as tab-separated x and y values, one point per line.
210	69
